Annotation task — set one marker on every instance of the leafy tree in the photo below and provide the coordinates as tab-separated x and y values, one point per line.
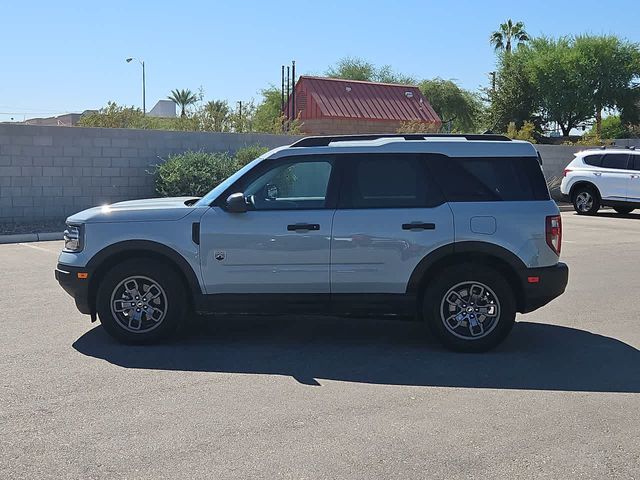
514	98
561	94
241	117
453	104
508	33
267	118
609	70
354	68
386	74
611	128
183	98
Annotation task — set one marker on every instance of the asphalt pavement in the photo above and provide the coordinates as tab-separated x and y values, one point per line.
300	398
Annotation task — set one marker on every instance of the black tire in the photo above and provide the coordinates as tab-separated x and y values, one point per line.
592	203
624	210
452	278
172	301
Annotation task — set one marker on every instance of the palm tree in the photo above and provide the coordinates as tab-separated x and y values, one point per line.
218	112
508	33
183	98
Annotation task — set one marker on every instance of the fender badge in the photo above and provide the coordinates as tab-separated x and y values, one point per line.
219	256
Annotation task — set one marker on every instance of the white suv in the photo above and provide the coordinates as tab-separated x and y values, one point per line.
597	178
458	231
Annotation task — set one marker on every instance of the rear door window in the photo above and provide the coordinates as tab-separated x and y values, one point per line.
636	162
489	179
397	180
617	161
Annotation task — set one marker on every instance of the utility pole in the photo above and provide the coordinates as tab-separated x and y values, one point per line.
493	82
144	84
240	115
293	89
282	99
288	103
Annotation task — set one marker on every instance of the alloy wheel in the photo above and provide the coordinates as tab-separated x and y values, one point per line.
139	304
584	201
470	310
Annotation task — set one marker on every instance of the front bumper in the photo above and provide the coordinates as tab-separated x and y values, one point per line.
76	284
541	285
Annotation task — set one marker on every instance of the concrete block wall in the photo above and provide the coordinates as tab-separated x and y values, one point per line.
48	173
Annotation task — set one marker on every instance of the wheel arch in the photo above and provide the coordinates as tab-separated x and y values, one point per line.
106	258
478	253
583	183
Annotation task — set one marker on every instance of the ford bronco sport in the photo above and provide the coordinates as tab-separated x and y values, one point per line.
456	230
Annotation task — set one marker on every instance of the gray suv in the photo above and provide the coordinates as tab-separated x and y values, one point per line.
455	230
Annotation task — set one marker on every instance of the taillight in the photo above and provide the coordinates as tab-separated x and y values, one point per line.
554	233
565	171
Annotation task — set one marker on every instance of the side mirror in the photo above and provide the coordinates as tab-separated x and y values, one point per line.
236	203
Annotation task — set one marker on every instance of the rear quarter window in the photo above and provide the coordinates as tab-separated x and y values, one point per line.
593	160
489	179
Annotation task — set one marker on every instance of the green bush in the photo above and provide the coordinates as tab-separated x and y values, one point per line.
525	133
249	153
193	173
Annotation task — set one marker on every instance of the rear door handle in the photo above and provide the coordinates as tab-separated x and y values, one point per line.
597	174
635	176
303	226
418	226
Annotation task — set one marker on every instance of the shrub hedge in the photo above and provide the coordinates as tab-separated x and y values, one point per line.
195	173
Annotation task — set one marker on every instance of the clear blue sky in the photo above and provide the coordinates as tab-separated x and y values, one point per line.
69	56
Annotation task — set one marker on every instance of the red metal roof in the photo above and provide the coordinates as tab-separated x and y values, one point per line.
318	97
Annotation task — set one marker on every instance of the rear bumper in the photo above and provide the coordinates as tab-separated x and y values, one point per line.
78	288
551	283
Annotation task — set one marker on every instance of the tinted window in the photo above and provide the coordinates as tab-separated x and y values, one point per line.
387	181
293	185
615	160
636	162
489	179
594	160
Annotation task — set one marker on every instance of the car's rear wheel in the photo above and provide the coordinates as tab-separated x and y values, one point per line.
586	200
470	308
624	210
139	301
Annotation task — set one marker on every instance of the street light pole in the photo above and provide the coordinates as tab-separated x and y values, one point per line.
144	85
144	93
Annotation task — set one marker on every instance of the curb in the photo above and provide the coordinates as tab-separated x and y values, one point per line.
30	237
565	207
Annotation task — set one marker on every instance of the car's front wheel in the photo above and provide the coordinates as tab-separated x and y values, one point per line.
470	308
141	301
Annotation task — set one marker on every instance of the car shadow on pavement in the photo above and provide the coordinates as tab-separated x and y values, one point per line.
635	216
536	356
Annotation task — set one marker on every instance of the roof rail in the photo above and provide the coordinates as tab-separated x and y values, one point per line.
323	141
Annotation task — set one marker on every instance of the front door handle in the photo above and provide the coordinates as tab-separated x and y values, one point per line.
303	226
418	226
635	176
597	174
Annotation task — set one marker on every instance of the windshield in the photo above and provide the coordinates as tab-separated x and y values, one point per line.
213	194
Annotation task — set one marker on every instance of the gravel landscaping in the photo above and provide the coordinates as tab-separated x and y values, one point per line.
32	227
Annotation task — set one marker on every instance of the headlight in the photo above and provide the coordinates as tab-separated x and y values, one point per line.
73	238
